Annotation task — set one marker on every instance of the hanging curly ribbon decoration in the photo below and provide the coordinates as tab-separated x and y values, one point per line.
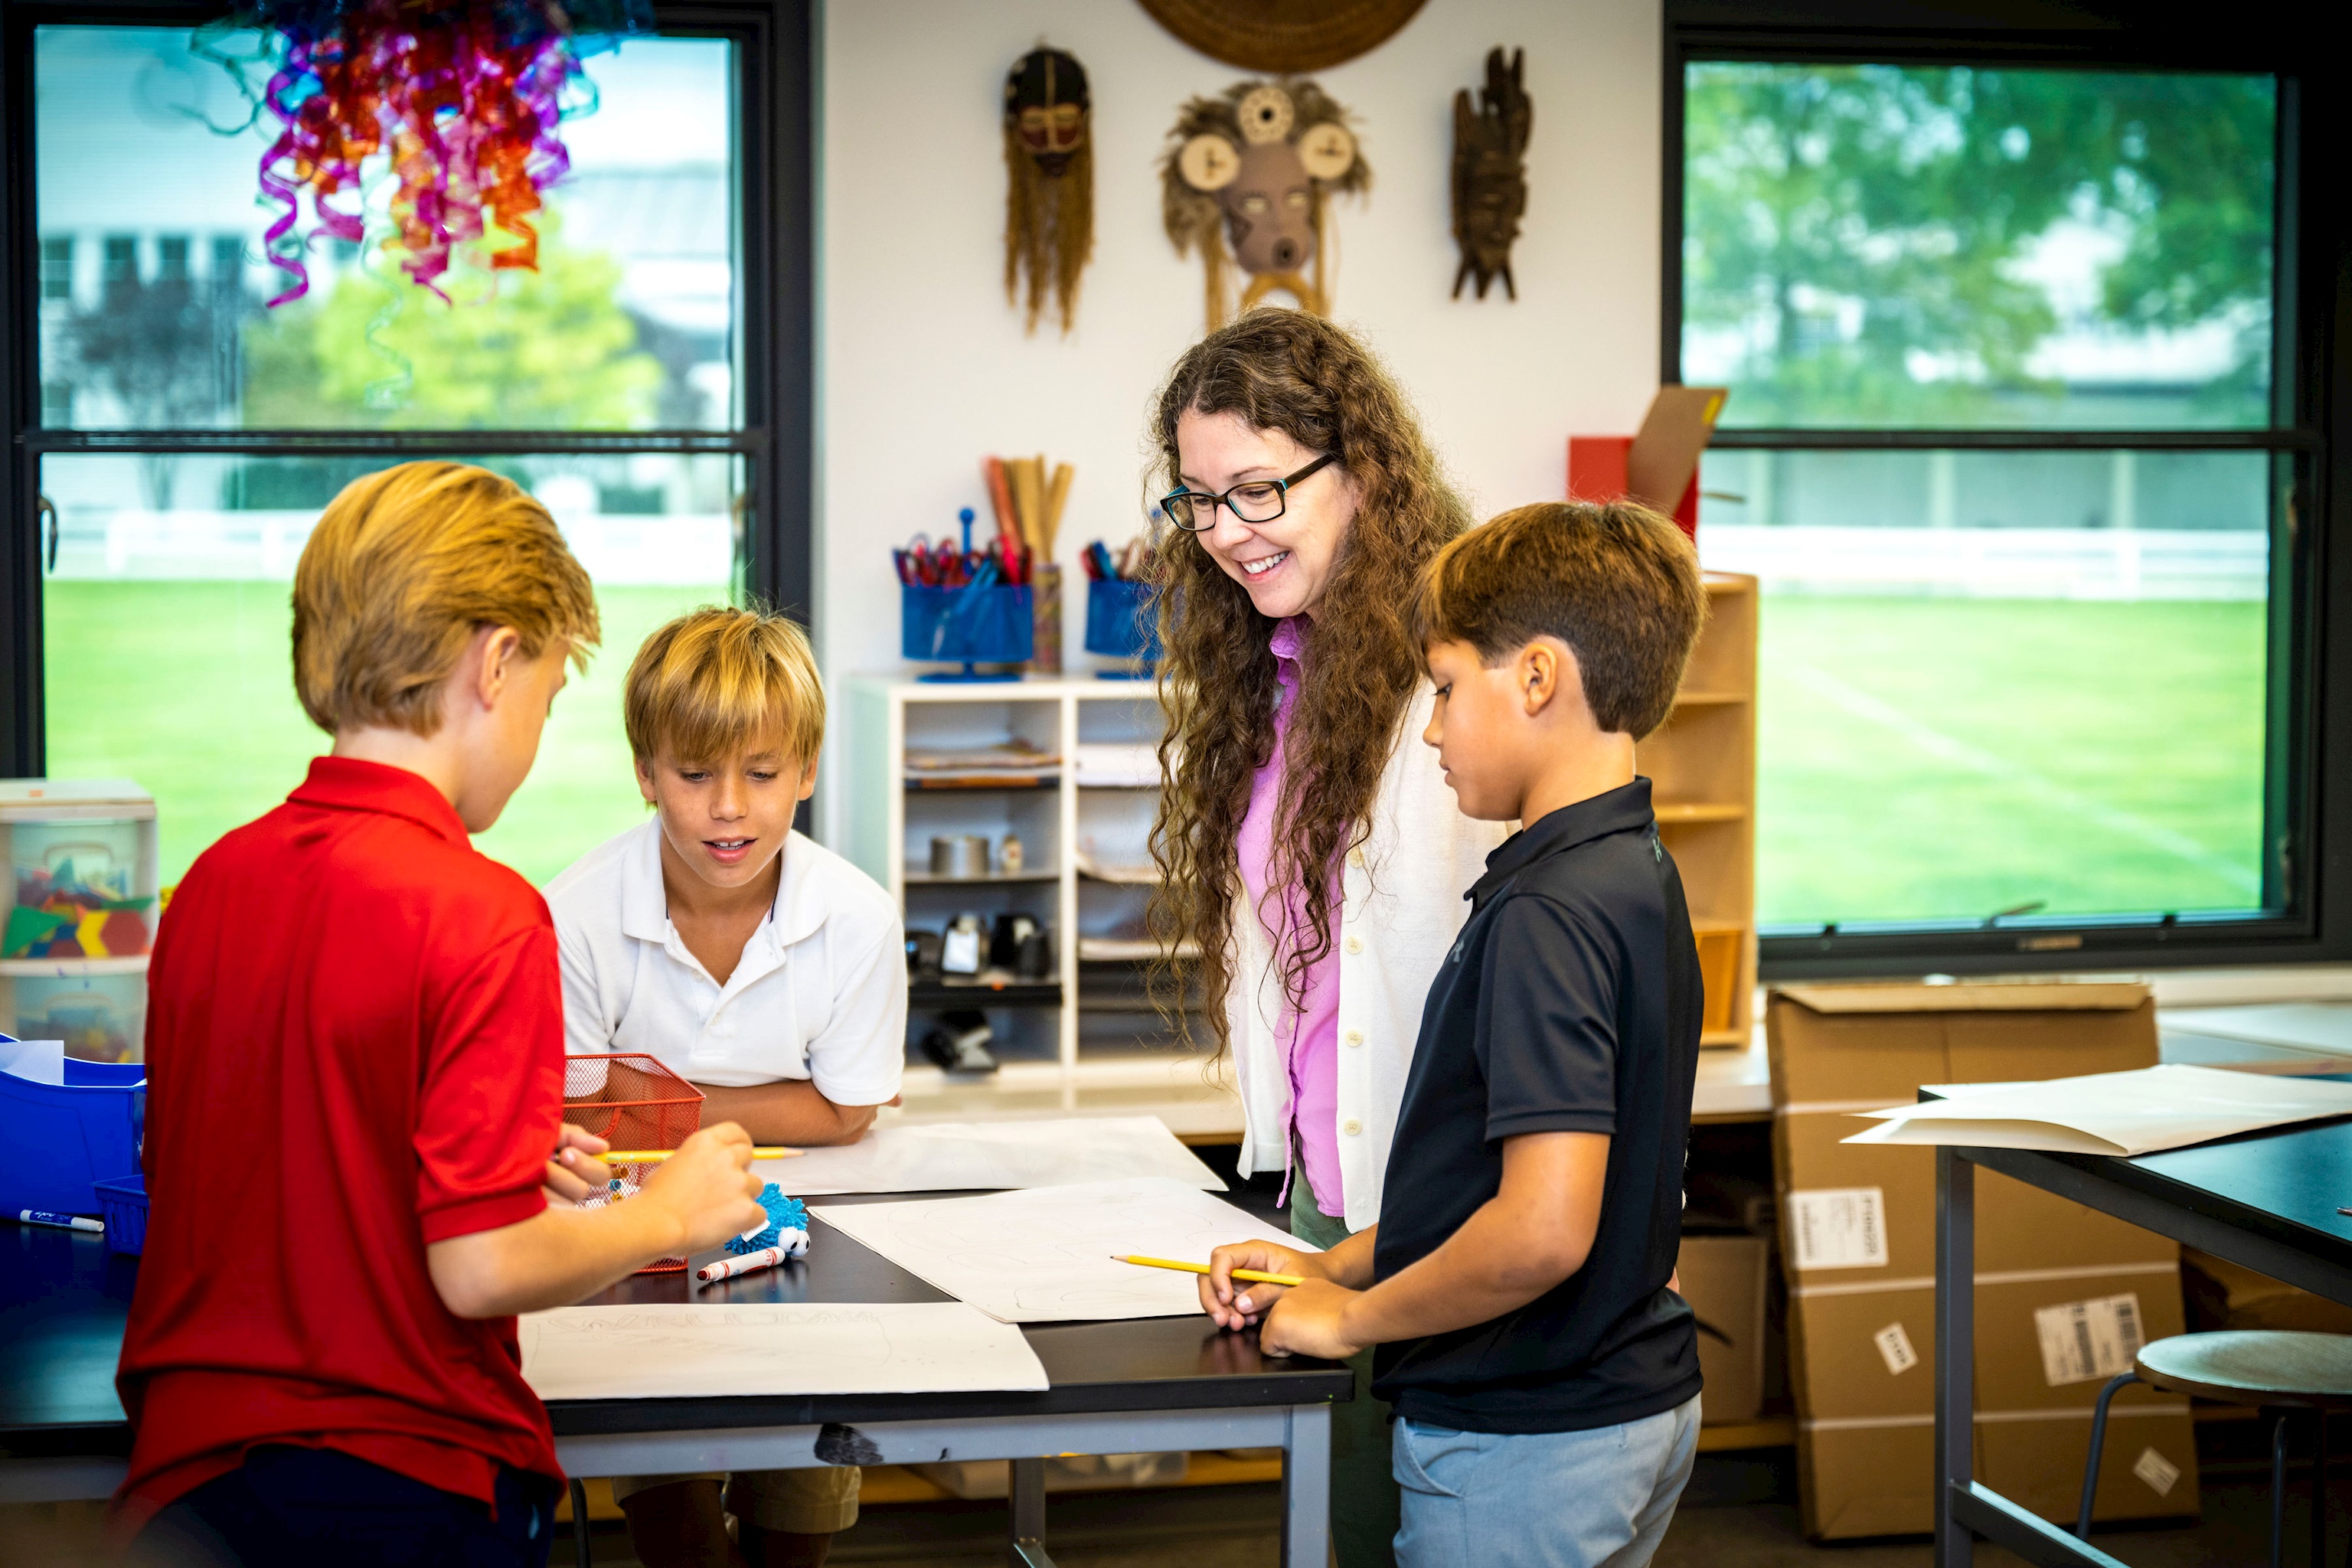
465	95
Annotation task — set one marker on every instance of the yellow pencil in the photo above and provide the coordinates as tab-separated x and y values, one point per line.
1252	1275
655	1156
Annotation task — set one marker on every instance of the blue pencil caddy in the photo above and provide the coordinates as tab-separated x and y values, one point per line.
980	623
1121	623
123	1205
67	1124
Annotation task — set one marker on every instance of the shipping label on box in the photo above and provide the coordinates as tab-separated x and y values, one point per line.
2088	1341
1895	1348
1838	1227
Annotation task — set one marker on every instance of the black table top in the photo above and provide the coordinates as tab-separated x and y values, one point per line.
2282	1186
63	1300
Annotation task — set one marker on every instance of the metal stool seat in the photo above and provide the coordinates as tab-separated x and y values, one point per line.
2271	1369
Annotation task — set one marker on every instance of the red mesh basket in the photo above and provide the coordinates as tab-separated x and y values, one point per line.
632	1102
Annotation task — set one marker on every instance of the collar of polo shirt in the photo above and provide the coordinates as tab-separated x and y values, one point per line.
645	905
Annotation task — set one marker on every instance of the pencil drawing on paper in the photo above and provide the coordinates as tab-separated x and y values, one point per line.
1045	1254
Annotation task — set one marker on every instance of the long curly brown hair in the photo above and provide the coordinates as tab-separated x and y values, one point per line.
1284	369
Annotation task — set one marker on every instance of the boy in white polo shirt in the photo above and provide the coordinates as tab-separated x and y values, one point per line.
759	965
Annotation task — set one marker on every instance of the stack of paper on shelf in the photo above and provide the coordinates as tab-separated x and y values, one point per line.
1013	761
2139	1112
1113	766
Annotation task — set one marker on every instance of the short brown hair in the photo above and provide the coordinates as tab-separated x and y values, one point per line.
403	568
1618	583
713	682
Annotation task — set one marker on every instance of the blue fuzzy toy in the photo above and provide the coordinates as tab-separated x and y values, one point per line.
787	1225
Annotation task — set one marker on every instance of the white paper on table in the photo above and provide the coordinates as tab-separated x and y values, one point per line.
668	1349
1044	1256
2110	1112
934	1157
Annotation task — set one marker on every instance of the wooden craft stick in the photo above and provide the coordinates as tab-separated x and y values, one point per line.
1250	1274
1000	499
1054	501
1028	500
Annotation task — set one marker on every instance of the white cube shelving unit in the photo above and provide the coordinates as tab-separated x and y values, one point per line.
1086	1040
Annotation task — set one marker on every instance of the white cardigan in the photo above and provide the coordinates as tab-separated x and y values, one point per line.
1402	907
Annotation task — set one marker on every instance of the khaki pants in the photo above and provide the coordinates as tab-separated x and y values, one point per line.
822	1501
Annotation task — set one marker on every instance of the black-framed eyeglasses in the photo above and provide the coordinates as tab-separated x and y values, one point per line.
1253	500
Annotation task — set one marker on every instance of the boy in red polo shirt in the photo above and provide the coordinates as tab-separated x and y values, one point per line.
355	1068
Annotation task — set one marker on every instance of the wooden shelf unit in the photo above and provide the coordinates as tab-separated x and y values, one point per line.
1063	1045
1702	768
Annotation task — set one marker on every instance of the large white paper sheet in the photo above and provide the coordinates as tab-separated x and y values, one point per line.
953	1156
1044	1256
680	1351
2110	1112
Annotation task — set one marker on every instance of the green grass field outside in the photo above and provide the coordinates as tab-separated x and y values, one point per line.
187	688
1919	758
1942	758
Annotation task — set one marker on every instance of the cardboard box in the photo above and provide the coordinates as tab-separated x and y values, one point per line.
1858	1227
1866	1478
2149	1470
1723	1278
2046	1343
1863	1355
2225	1295
1839	1050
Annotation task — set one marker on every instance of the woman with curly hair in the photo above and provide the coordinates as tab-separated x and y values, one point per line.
1311	850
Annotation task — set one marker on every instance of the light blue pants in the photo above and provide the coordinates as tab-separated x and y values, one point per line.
1600	1499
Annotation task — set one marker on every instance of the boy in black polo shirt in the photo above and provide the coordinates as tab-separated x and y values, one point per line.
1545	1374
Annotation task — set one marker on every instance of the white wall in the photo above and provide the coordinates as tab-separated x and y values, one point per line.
924	367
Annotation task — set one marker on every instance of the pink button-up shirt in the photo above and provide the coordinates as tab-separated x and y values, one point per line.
1311	1035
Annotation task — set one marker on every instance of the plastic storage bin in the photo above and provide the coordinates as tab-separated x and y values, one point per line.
123	1205
969	625
97	1006
1121	621
632	1102
82	860
66	1124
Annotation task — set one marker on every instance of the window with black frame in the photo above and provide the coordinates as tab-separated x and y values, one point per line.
617	364
2006	446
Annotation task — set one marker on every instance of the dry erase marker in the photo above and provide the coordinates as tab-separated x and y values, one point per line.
1252	1275
655	1156
749	1263
62	1221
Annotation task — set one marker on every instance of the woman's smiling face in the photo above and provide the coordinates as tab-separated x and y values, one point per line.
1285	564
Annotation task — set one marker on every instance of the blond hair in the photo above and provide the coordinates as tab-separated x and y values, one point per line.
1618	583
716	682
404	567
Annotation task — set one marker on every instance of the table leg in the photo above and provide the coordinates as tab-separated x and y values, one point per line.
1956	1294
1306	1487
1025	1498
580	1525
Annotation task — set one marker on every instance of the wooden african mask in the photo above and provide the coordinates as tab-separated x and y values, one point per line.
1049	204
1490	177
1248	185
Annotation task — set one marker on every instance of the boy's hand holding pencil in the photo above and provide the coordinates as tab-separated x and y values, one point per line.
1233	1303
573	1171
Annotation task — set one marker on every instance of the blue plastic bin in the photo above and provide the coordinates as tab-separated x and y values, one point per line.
67	1125
991	624
122	1203
1121	621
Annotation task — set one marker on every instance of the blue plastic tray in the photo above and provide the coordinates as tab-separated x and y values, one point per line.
122	1203
1121	621
67	1124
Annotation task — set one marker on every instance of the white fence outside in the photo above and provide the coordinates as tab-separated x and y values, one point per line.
1996	562
131	545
